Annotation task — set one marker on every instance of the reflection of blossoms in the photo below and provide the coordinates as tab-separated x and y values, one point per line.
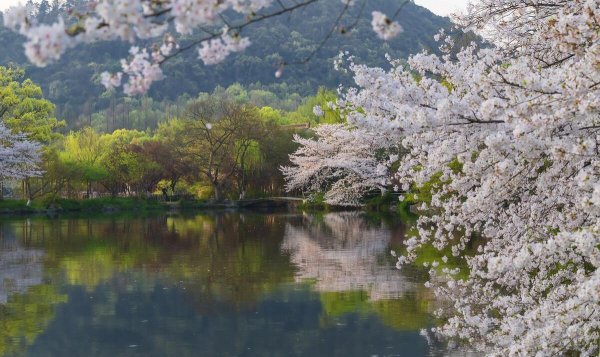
20	268
341	255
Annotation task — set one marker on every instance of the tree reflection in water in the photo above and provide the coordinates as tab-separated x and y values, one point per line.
341	252
26	302
20	267
211	283
344	254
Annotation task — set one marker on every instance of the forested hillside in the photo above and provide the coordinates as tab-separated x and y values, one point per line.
290	38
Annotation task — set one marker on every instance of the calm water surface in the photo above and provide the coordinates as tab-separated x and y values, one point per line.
211	284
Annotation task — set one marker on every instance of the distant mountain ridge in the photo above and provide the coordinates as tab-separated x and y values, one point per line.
72	83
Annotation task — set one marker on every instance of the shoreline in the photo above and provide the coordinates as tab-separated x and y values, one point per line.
107	206
19	208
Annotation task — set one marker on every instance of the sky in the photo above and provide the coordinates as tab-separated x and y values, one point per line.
440	7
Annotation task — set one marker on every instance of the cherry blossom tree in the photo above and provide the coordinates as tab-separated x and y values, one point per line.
343	161
214	34
513	133
19	157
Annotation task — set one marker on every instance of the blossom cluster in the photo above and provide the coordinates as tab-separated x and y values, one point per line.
384	27
343	161
19	157
133	20
512	132
216	50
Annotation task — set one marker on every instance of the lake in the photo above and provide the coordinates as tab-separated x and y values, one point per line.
210	284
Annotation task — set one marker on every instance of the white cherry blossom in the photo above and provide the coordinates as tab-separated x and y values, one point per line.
384	27
512	131
343	161
19	157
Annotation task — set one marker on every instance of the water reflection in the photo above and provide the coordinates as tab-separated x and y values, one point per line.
342	252
20	267
347	257
214	284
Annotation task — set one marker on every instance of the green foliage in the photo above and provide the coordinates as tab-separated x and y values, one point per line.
20	206
315	202
447	84
226	148
381	201
23	107
321	99
408	313
428	254
403	210
120	204
423	193
192	204
25	316
96	159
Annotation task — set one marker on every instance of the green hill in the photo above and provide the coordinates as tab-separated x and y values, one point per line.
73	84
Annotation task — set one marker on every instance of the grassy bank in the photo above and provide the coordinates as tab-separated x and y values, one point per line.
20	207
131	204
9	207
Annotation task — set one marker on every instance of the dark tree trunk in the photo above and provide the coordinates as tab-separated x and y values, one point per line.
217	191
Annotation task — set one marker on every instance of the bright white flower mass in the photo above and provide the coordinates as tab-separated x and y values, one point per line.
318	111
513	134
342	162
19	157
141	70
216	50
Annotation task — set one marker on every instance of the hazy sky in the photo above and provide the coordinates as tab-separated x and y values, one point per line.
440	7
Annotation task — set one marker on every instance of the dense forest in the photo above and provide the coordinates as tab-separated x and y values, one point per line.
217	144
72	83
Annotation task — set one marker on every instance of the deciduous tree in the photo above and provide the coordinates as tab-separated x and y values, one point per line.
217	134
